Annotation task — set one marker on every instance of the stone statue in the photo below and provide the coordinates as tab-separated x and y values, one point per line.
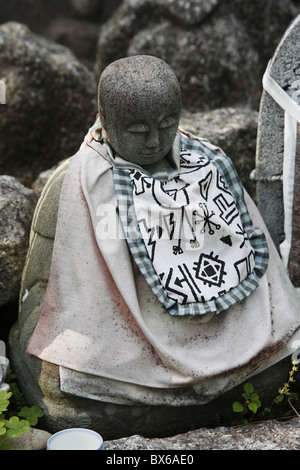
278	150
139	130
153	288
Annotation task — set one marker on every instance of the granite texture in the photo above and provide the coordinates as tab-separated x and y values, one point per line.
284	70
267	435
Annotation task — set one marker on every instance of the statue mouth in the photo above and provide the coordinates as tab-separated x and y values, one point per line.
148	154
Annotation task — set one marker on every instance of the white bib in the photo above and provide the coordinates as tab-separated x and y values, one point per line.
192	231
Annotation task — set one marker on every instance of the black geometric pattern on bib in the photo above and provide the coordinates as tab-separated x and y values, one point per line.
210	269
192	237
192	230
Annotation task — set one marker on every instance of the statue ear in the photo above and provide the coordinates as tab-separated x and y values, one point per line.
101	117
102	123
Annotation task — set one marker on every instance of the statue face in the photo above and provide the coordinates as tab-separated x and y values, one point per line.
144	134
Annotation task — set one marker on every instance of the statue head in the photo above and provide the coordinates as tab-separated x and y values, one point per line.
139	107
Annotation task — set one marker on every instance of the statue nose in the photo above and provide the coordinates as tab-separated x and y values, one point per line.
153	139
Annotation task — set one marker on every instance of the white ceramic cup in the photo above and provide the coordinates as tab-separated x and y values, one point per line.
75	439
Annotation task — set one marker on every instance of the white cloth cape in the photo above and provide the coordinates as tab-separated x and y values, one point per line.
111	337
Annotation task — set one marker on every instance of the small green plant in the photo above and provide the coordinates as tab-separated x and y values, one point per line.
12	427
285	390
250	405
284	394
12	408
31	414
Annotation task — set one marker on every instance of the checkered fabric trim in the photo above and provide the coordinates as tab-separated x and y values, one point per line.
138	250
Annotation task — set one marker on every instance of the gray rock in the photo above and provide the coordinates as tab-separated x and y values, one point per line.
215	55
191	11
86	8
213	48
210	60
268	435
35	14
265	21
35	439
50	101
79	35
39	184
17	204
93	9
